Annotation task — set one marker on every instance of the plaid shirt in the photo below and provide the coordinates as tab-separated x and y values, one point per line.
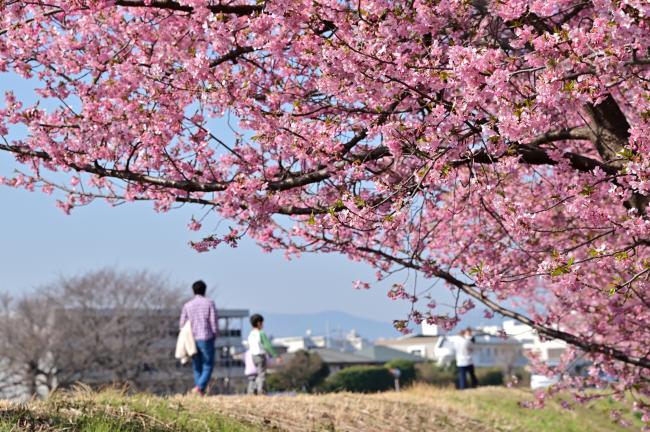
203	317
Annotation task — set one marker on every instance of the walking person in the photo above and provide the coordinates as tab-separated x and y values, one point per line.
260	349
464	362
202	315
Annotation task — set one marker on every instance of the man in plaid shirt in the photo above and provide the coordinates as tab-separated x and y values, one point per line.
202	315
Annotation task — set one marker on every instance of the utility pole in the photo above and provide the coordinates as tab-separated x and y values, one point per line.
327	334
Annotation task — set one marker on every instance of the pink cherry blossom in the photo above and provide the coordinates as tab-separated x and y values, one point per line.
500	147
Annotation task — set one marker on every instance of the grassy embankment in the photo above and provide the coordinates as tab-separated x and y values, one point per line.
421	408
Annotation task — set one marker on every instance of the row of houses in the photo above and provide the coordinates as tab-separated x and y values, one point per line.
338	358
502	346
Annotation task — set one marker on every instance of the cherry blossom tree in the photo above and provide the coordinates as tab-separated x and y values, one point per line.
500	147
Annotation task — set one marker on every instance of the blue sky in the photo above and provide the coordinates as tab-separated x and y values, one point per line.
39	242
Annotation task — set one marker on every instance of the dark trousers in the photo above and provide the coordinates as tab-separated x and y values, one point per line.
462	376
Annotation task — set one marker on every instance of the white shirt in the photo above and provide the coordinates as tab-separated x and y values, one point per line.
255	343
463	347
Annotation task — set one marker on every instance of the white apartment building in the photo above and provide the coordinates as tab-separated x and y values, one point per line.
550	351
489	351
348	342
422	345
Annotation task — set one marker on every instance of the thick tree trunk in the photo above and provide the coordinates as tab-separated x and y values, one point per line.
610	133
610	130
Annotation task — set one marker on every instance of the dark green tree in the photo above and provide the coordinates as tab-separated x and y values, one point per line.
301	371
360	379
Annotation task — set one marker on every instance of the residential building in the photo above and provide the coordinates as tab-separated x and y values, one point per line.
346	342
385	354
434	344
294	343
419	345
550	351
337	360
423	344
228	374
368	356
489	351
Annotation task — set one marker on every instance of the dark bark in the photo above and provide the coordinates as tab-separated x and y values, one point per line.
231	55
610	130
610	134
240	10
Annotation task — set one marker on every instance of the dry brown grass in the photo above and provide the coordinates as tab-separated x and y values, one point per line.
390	412
419	408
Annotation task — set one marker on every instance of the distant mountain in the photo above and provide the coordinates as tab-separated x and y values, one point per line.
336	322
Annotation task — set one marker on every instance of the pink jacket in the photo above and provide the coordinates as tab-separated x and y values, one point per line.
249	366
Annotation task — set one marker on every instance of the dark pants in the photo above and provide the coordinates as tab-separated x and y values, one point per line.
462	376
203	362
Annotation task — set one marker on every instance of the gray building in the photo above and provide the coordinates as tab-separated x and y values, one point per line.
228	375
369	356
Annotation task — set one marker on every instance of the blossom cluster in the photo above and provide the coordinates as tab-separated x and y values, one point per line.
502	147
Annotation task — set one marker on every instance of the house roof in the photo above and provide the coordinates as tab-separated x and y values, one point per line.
221	313
409	340
383	354
487	339
342	357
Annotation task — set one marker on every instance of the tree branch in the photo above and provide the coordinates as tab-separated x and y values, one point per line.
185	185
532	154
472	291
240	10
231	55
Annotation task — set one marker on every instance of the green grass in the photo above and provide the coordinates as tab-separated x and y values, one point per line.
420	407
500	408
24	419
112	411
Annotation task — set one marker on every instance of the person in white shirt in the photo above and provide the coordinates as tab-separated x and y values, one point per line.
259	348
464	348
